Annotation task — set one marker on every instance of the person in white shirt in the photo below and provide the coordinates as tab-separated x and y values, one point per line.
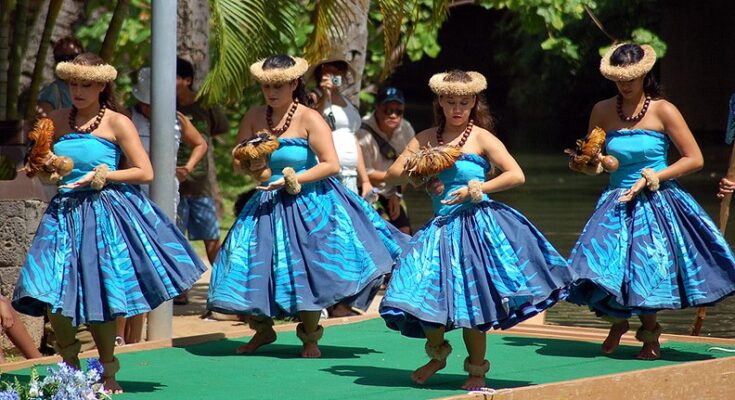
382	136
344	120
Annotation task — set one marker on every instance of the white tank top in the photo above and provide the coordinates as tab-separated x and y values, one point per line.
346	122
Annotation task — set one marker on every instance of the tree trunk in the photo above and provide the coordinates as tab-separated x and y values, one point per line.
20	39
71	12
107	52
5	12
193	33
354	47
51	17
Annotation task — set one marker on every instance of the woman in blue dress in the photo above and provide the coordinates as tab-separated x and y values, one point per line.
648	245
304	243
478	264
102	250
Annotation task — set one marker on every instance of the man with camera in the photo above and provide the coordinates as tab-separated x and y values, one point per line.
382	137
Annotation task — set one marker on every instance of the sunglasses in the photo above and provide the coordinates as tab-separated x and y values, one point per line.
394	111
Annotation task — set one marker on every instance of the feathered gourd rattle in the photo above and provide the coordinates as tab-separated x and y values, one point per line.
40	160
587	156
253	153
426	163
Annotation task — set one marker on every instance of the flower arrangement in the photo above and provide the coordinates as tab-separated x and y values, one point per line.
64	383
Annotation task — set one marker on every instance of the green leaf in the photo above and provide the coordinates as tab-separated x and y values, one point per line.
242	31
644	36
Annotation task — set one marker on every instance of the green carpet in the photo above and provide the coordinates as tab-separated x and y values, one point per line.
367	361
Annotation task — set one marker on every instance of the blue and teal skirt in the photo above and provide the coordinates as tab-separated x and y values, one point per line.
482	267
659	251
289	253
100	255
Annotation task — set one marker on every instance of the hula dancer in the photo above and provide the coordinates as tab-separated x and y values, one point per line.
648	245
102	250
478	264
303	242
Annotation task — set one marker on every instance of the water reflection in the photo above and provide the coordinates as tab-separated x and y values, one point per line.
559	203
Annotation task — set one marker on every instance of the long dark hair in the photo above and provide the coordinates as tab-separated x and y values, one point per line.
630	53
284	61
480	113
108	97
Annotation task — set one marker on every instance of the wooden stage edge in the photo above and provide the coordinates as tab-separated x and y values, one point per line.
710	379
704	380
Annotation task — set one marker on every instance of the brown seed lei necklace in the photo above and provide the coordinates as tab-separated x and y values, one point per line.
633	118
289	117
462	140
94	125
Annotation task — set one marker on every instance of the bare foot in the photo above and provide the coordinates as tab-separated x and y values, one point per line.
111	385
342	310
650	351
261	338
613	337
474	383
311	350
427	371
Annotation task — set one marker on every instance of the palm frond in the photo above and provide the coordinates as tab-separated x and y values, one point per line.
400	18
331	19
243	31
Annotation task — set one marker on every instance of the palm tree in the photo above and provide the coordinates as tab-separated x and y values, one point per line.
245	30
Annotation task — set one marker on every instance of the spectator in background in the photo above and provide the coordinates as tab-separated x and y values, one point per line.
343	119
55	95
198	211
727	183
382	136
130	330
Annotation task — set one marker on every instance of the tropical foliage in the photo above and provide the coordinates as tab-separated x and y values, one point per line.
133	44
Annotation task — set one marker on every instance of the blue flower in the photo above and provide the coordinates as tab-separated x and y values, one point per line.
62	383
9	394
94	364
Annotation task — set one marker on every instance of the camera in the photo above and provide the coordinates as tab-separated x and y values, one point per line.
337	80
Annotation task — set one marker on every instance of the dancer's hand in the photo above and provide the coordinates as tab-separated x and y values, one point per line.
275	185
435	187
458	196
7	320
726	187
82	182
630	194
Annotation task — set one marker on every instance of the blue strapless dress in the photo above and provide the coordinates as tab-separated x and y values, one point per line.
659	251
478	266
102	254
286	253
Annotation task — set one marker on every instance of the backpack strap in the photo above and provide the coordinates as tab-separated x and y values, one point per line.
386	150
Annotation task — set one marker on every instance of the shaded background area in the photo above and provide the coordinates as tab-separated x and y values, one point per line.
542	101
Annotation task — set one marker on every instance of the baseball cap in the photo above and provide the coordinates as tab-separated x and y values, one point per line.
390	93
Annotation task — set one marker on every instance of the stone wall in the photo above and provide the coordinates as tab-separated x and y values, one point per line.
20	219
